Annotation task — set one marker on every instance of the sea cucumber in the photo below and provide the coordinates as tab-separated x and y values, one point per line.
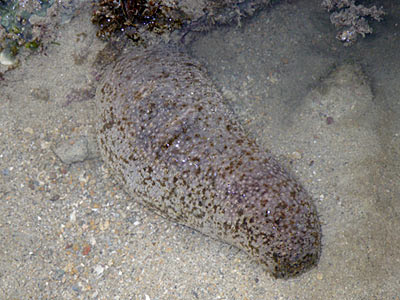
168	135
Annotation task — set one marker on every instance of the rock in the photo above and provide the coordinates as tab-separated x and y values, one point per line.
73	150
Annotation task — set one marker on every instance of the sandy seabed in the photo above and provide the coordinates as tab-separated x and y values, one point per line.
330	114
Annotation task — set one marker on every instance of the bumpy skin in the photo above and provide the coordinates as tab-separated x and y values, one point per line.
168	135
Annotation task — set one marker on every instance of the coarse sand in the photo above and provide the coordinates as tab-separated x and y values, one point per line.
330	114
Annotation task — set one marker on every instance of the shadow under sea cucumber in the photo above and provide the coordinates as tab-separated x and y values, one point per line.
168	135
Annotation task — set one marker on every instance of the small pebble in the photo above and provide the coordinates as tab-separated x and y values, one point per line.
92	241
86	249
40	93
104	226
98	270
295	155
72	217
76	288
44	145
54	198
73	150
6	58
59	274
28	130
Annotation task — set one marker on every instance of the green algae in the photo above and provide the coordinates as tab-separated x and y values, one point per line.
17	29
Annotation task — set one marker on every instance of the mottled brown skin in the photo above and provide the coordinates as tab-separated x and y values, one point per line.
166	132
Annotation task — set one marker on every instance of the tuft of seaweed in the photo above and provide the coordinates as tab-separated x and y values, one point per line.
133	17
351	18
140	19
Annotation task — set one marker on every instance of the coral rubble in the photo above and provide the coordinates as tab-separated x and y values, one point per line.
351	18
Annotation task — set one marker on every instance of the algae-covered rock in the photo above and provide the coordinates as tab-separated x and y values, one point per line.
30	25
141	20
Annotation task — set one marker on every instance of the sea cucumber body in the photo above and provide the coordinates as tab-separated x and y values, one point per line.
166	132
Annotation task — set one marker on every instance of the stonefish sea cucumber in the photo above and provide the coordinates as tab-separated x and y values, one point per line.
167	134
